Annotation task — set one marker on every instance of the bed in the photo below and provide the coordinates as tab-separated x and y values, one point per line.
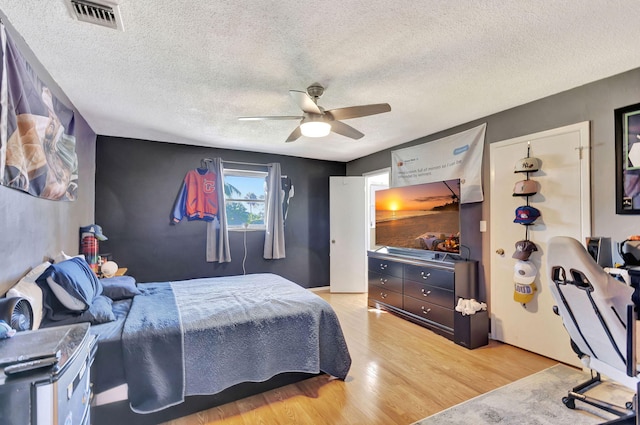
172	348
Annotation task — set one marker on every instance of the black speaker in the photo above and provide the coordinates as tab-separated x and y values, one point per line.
471	331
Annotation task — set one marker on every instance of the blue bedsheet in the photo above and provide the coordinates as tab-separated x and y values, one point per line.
202	336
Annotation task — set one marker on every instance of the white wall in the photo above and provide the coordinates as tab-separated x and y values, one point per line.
594	102
33	228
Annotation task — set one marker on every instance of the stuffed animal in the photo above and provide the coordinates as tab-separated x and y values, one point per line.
109	268
469	307
5	330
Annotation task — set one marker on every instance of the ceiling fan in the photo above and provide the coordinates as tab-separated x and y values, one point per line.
316	122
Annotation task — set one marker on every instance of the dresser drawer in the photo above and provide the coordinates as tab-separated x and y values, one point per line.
392	283
429	311
385	266
434	277
429	293
385	296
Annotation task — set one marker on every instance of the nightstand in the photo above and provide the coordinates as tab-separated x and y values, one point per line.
58	394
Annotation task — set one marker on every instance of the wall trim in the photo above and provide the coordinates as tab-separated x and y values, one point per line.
319	288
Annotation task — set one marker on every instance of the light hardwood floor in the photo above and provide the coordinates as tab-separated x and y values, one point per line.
400	373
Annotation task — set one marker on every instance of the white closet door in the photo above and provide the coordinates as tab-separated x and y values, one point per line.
564	203
348	250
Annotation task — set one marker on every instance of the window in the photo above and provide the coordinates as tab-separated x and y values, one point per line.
244	197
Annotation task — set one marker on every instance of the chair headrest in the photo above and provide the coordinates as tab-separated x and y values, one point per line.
568	254
569	259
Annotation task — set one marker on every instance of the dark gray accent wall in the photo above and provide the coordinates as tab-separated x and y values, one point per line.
34	229
594	102
137	182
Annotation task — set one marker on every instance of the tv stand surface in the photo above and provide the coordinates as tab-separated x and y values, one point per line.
419	254
425	289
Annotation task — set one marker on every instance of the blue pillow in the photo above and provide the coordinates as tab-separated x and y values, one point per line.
99	312
119	287
72	282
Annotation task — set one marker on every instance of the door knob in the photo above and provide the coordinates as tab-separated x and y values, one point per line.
500	251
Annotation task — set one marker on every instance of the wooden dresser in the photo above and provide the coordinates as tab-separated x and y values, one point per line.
425	289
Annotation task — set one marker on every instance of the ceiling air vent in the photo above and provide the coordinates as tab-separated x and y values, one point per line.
105	14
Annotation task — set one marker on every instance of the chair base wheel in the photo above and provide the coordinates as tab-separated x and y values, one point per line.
569	402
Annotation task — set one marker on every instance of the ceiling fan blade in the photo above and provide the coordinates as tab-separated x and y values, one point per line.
295	134
265	118
345	130
359	111
305	102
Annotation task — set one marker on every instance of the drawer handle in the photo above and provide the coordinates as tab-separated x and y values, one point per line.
425	311
383	295
383	281
383	266
425	293
425	276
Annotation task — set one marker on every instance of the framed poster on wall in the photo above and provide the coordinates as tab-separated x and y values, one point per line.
627	133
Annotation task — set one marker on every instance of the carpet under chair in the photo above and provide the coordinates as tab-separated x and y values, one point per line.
535	400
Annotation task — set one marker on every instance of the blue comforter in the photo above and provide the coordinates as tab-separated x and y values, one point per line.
202	336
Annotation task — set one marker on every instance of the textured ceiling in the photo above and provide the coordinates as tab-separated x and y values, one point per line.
183	71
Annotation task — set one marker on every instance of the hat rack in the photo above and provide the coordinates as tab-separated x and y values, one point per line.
527	201
525	190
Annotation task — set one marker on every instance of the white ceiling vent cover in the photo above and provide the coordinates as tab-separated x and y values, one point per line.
105	14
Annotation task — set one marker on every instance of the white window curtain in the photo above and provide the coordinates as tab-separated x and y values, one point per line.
217	233
274	216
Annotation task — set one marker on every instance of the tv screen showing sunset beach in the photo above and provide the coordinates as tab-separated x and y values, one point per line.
422	216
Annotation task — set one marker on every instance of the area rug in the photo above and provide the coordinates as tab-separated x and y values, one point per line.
535	400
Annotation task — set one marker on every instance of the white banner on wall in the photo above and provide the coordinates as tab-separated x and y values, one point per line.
452	157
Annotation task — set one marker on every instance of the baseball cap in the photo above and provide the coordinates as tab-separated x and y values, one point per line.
524	248
523	293
525	188
526	214
524	272
95	229
527	165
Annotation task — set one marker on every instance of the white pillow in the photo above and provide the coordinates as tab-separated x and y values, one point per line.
64	297
62	256
29	289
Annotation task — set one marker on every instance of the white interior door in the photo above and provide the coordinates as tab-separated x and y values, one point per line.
374	181
564	203
348	251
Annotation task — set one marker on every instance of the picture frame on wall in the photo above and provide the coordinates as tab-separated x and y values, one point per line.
627	138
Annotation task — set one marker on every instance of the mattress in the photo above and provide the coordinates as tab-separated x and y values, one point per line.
202	336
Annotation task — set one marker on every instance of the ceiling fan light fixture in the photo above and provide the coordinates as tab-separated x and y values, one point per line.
315	128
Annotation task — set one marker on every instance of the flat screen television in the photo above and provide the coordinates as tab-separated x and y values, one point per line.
421	216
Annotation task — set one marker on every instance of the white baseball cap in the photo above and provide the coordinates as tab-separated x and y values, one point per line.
524	272
527	165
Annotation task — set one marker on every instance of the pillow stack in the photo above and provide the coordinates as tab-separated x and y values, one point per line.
73	283
72	293
68	292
